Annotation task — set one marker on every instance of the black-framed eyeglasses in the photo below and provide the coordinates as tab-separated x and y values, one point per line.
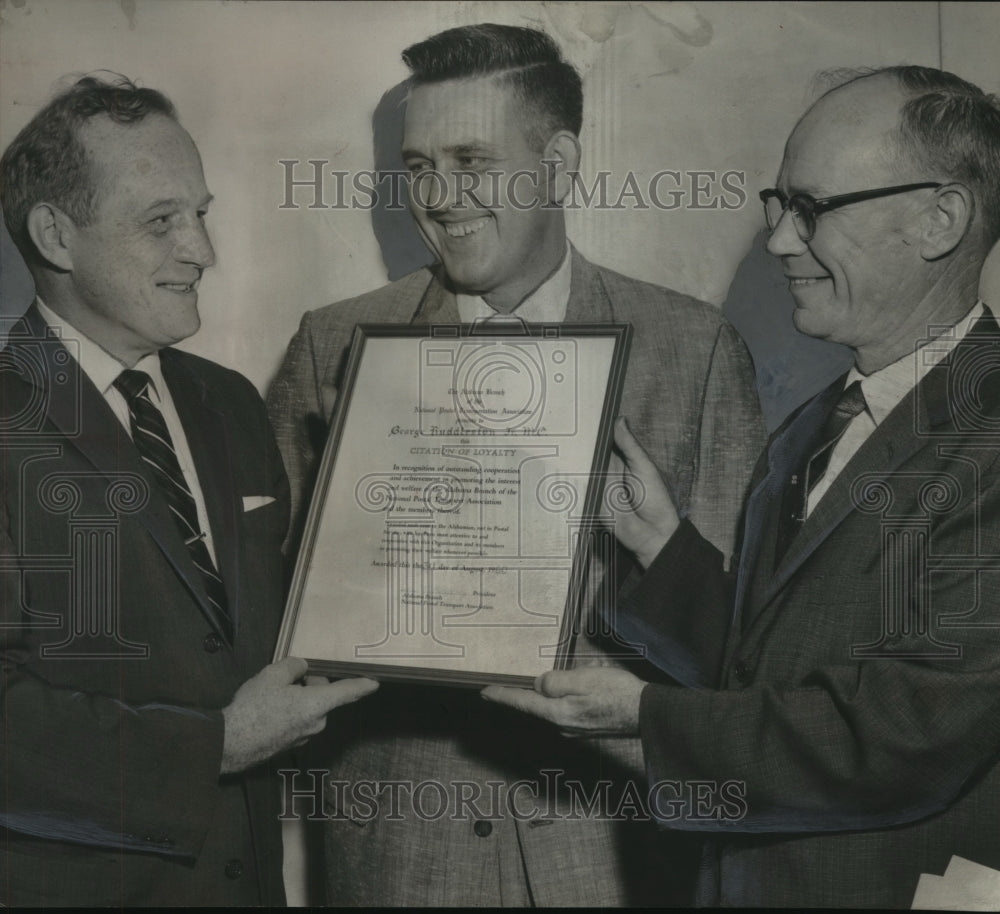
807	209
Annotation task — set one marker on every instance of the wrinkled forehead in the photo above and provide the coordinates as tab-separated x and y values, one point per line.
847	141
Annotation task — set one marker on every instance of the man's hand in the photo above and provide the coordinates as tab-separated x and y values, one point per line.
272	711
590	701
649	518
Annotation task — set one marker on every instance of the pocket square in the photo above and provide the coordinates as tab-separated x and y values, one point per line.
250	502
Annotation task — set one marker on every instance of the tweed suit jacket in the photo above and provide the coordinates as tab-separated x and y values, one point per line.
114	677
689	395
854	690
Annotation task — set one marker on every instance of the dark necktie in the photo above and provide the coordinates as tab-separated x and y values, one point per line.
796	496
152	440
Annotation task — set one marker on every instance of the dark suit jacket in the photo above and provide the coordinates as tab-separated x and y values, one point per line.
856	698
689	396
114	678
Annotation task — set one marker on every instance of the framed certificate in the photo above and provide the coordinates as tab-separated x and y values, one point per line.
458	502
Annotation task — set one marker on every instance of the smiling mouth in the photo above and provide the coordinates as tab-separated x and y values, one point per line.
182	287
794	281
468	227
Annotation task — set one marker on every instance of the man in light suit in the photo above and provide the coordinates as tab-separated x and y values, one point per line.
487	103
844	700
142	511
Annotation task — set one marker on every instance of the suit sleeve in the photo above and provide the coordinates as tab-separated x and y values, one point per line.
862	744
70	756
681	609
730	439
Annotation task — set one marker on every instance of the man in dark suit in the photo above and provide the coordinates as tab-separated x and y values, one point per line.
491	137
142	511
841	730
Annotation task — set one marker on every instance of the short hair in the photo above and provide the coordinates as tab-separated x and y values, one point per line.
527	60
47	162
951	128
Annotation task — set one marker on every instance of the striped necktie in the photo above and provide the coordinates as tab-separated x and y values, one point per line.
152	440
851	403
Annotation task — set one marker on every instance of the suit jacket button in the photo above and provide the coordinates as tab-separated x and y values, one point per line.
483	829
234	869
212	643
742	670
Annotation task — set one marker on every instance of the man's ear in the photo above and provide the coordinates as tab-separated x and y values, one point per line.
562	156
52	232
948	221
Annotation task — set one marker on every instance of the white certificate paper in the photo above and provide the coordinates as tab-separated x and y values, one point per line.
457	503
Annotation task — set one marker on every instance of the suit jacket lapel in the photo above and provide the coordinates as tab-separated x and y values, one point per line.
71	402
80	412
438	304
888	447
906	430
208	438
786	451
77	408
588	299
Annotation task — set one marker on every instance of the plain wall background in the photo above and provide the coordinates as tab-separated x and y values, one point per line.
680	86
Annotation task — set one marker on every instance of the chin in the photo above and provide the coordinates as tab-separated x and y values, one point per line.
808	323
467	281
186	329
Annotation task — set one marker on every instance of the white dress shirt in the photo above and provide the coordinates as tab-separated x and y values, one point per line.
546	305
883	390
102	369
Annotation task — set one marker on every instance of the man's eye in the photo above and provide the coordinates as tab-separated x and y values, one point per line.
160	224
473	163
417	167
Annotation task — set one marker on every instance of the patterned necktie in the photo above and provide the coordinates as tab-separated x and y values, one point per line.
152	440
796	496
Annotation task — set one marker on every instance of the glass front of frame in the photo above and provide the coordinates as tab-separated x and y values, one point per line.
459	502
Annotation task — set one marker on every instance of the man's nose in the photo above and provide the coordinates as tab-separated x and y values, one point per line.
437	191
195	247
784	240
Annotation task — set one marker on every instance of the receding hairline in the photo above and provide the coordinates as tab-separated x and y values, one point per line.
891	109
98	170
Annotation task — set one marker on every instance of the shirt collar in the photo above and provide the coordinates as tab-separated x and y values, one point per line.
547	304
99	366
885	388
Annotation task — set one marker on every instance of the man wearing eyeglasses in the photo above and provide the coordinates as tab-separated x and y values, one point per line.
840	730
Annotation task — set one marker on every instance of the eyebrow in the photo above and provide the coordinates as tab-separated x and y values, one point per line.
816	191
469	148
177	201
459	149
